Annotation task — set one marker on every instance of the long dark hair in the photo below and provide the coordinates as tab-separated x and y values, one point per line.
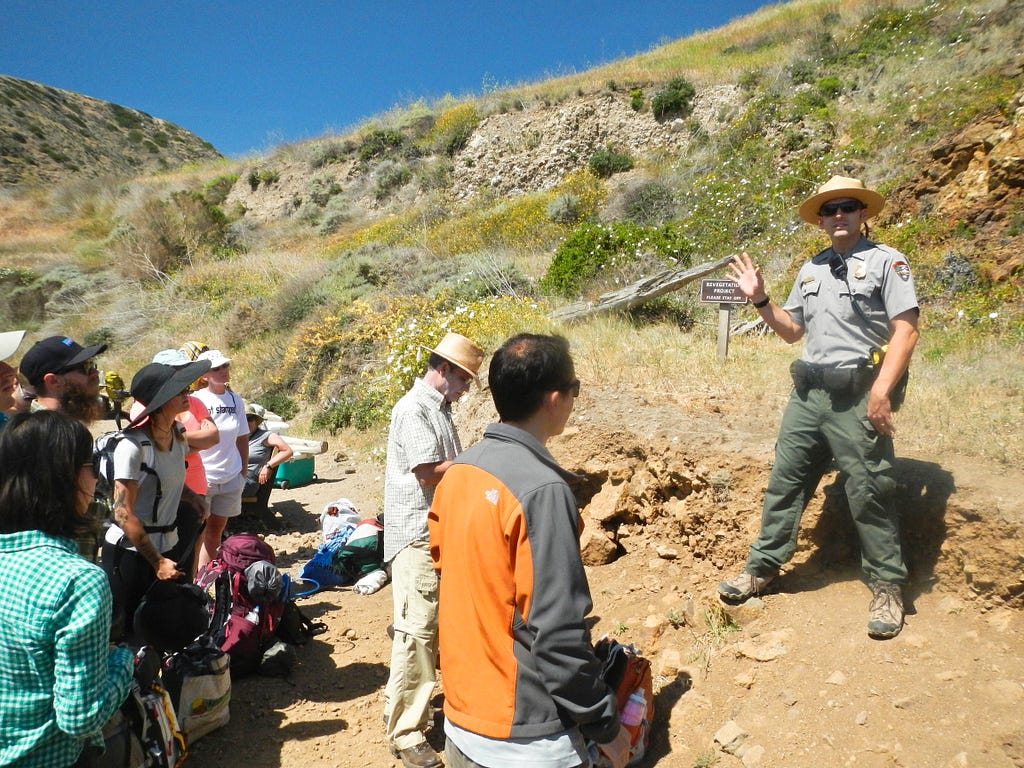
40	455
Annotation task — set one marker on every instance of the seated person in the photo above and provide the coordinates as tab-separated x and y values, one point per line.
267	451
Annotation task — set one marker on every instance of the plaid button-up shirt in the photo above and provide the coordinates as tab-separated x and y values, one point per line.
422	432
59	680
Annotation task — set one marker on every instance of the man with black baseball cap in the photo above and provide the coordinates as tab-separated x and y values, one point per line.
64	376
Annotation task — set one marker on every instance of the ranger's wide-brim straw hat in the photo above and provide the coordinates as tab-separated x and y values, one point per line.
838	187
460	351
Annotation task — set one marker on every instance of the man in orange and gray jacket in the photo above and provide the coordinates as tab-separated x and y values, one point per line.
522	685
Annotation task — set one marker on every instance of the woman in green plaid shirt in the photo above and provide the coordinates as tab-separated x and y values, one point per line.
60	681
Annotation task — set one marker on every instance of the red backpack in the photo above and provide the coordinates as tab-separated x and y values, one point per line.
247	599
629	674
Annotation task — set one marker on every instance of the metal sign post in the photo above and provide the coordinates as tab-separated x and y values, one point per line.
726	294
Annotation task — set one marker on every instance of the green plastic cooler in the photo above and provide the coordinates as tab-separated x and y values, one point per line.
295	472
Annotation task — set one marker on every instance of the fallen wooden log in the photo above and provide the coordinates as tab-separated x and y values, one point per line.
636	293
304	446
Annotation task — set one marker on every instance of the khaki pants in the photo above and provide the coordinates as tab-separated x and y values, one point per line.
414	588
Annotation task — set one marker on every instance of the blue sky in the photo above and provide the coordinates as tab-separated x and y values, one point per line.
248	76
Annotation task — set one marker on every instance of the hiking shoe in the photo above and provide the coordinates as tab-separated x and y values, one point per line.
886	612
746	585
420	756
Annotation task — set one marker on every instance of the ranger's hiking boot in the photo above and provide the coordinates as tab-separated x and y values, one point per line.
746	585
886	612
420	756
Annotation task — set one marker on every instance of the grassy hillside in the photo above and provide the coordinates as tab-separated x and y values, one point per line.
322	266
48	135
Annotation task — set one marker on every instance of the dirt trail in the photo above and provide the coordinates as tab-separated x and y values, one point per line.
788	680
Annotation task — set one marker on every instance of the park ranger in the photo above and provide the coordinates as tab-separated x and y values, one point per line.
855	307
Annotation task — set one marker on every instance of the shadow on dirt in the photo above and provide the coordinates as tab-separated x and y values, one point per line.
285	516
922	500
665	701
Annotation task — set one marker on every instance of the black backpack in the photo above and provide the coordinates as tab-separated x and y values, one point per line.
103	462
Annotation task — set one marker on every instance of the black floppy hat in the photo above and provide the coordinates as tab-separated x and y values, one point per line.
156	383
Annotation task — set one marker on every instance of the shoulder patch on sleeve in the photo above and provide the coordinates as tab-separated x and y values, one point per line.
902	269
491	495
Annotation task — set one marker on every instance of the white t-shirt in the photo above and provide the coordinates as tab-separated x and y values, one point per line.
129	456
558	750
223	461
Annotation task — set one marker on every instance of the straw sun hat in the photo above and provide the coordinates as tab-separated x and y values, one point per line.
460	351
839	187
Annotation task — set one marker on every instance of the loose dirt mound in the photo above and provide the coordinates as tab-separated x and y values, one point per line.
674	492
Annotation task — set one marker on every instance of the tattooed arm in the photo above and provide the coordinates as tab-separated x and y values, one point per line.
125	493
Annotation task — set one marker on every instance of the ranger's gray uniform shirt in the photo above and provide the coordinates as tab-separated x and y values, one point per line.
422	432
835	335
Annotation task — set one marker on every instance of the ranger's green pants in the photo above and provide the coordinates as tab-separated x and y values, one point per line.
815	428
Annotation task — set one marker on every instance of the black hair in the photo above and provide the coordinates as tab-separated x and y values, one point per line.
525	368
40	456
435	361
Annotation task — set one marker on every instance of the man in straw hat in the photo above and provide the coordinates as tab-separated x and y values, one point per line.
422	442
855	307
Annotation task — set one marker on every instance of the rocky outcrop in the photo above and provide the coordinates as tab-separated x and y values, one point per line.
534	149
976	176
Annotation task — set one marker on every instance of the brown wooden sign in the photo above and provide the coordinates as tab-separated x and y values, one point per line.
721	292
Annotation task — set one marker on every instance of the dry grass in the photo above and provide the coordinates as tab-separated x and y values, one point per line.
968	402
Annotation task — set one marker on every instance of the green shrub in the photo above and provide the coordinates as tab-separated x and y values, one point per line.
126	118
564	209
453	129
390	176
162	236
802	72
351	411
320	189
280	403
794	140
258	176
636	100
650	202
830	87
436	175
335	213
330	152
217	190
749	81
674	100
608	161
380	143
105	335
592	248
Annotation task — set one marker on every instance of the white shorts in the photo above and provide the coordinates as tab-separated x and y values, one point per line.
225	499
